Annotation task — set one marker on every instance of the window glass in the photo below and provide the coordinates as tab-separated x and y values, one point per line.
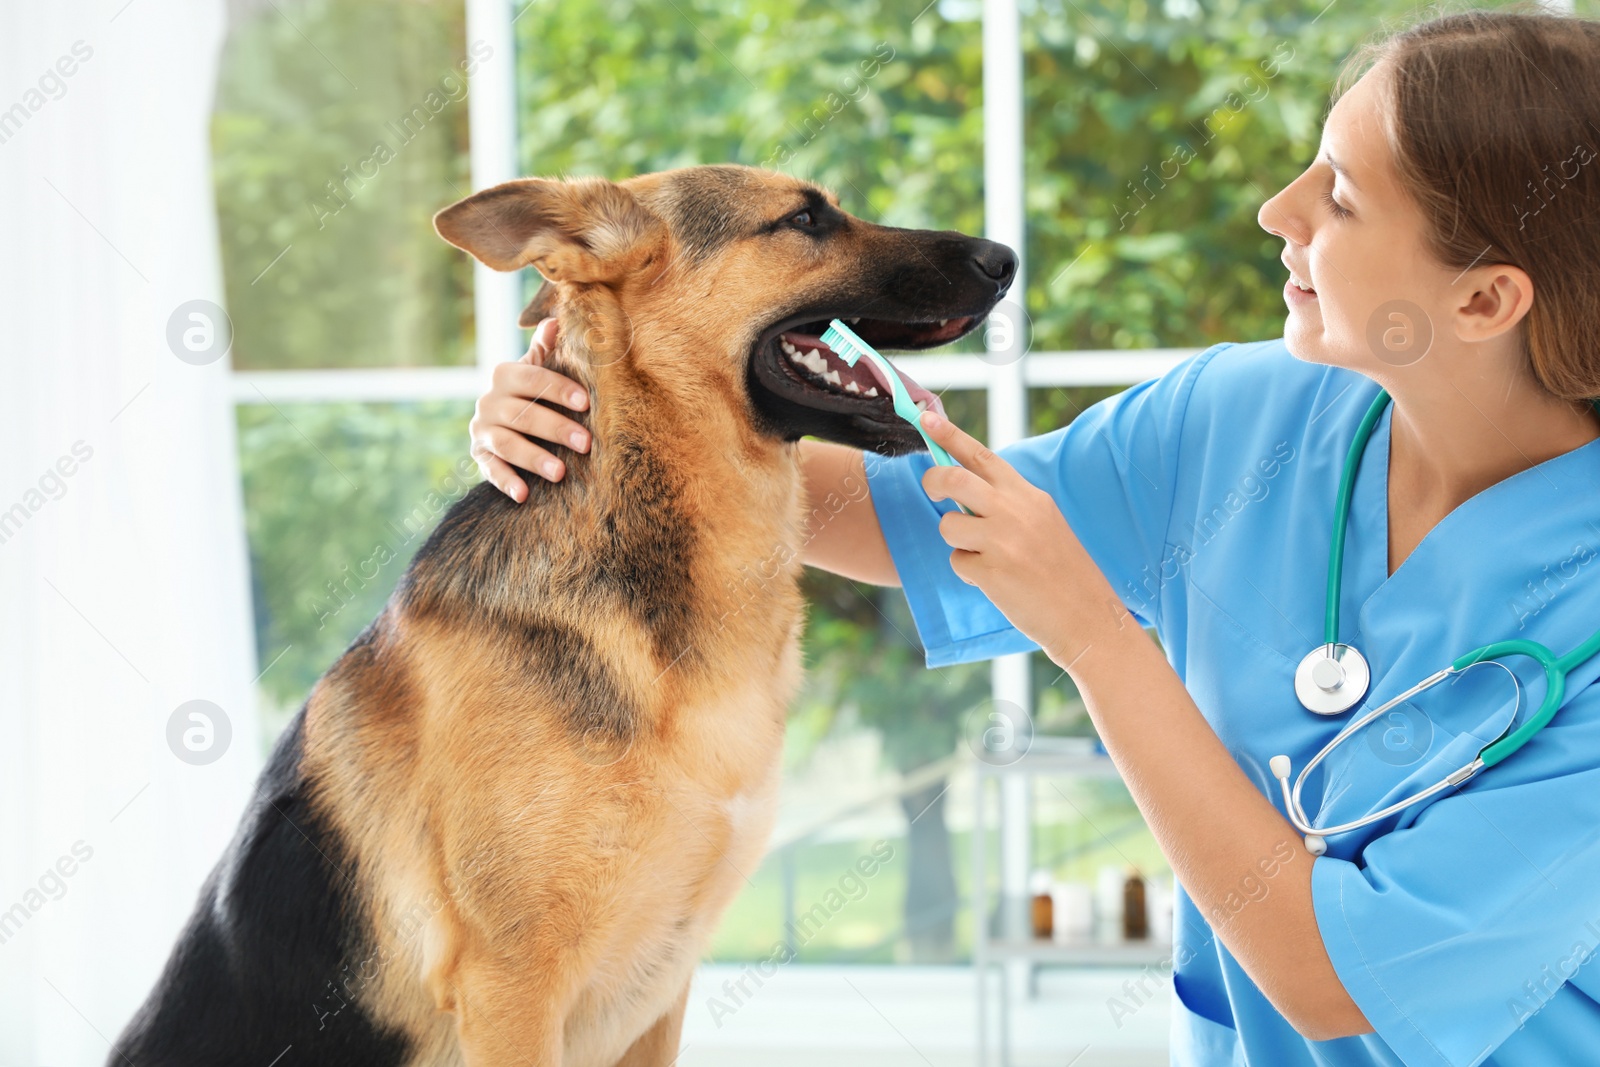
880	103
338	498
340	127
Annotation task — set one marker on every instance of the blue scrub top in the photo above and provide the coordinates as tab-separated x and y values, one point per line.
1464	928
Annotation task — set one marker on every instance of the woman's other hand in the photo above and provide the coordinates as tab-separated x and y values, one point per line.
507	416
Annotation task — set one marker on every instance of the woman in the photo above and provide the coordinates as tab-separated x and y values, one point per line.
1441	247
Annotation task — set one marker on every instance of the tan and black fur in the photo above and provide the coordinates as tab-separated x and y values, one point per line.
505	824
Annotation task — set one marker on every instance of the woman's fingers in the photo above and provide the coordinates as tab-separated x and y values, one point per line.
533	382
964	532
511	409
967	450
960	485
533	419
499	474
529	378
541	343
494	441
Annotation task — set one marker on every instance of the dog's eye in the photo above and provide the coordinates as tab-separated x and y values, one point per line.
804	218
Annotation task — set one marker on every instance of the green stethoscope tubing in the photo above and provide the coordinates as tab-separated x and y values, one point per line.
1341	514
1556	668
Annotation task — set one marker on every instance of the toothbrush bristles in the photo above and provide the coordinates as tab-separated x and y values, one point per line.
844	343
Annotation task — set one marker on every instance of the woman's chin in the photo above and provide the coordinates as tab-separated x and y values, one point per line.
1302	339
1307	342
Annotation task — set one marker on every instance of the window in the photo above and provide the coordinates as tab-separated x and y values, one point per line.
1130	144
336	126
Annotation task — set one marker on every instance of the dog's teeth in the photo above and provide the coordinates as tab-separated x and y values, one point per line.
832	377
812	360
922	405
872	390
855	320
790	350
942	322
852	387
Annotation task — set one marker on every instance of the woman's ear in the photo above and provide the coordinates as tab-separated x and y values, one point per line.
584	230
1498	296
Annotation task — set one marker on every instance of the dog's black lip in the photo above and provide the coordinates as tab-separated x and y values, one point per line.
825	314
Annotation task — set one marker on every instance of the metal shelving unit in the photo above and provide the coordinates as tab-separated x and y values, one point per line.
1013	942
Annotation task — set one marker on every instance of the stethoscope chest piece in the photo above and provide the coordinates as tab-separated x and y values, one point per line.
1332	679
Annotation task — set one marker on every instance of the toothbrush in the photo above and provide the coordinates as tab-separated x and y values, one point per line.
850	348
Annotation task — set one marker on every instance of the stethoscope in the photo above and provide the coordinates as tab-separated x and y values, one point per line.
1334	677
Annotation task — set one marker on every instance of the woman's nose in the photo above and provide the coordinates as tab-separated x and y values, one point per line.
1277	217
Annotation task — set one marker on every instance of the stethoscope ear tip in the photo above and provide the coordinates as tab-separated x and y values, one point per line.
1281	768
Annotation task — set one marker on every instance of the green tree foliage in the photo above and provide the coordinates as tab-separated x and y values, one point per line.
339	129
338	497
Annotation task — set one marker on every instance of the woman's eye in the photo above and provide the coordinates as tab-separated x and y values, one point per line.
1339	210
803	219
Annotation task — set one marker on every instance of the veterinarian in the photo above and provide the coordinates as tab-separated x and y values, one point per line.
1313	526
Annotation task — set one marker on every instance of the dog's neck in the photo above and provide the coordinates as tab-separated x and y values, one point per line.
686	454
700	423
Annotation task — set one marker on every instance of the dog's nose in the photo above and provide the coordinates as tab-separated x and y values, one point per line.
997	263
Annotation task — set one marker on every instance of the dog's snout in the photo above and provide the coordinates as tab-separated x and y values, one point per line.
996	262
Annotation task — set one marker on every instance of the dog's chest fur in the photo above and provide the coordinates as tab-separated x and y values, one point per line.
649	964
559	753
711	834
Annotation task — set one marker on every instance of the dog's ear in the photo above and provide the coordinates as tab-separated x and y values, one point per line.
583	230
540	307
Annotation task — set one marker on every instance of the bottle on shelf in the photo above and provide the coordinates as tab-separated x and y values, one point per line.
1042	911
1072	907
1135	916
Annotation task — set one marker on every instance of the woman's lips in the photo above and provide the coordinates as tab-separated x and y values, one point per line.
1295	296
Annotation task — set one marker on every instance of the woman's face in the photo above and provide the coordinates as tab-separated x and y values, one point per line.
1378	297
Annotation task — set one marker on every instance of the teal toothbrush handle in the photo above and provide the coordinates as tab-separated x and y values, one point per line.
852	348
940	456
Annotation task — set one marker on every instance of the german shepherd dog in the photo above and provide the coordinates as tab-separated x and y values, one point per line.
501	831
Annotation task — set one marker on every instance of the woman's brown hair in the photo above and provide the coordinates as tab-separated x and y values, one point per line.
1494	126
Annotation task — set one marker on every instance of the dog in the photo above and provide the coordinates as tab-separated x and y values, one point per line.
505	823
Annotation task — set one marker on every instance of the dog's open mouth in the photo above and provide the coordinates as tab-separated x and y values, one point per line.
812	363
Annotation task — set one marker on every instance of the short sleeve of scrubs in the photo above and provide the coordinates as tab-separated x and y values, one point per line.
1113	472
1451	933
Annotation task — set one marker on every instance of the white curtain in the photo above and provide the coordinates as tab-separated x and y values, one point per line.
124	590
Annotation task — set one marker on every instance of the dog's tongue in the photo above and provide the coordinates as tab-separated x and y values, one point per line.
835	361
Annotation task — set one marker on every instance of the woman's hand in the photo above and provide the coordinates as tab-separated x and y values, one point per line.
1017	547
507	412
